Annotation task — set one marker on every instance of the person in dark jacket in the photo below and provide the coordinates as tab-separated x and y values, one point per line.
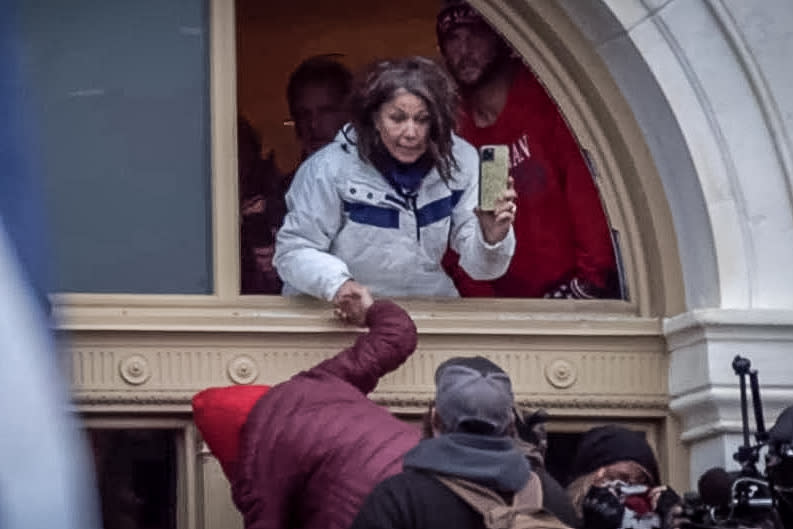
531	436
313	447
317	95
615	483
473	424
779	468
532	439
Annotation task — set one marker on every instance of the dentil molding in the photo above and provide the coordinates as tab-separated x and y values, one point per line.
625	373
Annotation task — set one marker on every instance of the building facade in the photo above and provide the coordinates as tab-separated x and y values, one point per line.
686	110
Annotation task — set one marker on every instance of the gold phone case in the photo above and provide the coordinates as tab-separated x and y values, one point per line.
493	174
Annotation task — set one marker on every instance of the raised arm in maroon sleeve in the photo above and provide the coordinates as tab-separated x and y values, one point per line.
390	341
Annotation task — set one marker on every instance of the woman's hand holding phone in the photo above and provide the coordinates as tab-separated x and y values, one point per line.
495	224
496	211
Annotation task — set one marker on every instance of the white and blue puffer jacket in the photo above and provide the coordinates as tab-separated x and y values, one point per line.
345	221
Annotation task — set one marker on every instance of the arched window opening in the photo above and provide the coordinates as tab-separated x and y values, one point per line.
295	63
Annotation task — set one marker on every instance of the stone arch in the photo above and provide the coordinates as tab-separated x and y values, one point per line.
693	88
702	89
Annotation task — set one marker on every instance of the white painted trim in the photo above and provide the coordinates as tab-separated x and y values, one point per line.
223	96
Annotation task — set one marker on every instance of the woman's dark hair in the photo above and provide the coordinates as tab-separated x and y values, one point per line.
421	77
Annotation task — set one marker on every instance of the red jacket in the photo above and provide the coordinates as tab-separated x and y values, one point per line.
560	226
315	446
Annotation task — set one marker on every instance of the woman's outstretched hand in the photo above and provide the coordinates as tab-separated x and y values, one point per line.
352	302
495	224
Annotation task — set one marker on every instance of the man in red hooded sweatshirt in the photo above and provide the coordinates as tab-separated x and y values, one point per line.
315	446
564	247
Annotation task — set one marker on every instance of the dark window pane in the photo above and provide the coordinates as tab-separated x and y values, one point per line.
136	473
561	450
120	95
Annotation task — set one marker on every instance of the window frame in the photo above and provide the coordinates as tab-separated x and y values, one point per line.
647	299
186	453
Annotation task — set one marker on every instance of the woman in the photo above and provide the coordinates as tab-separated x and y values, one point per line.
615	483
380	205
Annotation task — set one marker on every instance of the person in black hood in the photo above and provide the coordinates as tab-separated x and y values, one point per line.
615	483
472	429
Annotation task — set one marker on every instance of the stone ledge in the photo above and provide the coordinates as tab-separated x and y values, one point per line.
269	314
756	324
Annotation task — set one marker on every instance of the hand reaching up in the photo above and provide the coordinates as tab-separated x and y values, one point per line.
351	303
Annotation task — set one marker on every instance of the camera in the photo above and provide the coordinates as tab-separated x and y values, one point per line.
749	503
749	497
488	155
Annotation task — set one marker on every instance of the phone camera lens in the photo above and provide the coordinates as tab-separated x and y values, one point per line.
487	155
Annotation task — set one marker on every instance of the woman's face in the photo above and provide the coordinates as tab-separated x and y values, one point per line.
403	123
627	471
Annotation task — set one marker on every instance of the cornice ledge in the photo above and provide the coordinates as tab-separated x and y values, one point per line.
133	398
711	429
457	317
734	324
773	397
86	400
723	404
622	402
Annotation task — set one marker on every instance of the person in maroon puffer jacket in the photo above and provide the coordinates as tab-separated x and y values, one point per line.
315	446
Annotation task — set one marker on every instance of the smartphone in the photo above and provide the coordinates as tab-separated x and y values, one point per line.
493	174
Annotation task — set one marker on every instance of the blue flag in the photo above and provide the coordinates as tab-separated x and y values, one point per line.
45	472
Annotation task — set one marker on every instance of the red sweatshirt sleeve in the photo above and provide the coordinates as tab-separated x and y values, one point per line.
390	341
467	287
595	260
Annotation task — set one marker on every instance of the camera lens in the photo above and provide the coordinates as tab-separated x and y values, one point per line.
487	155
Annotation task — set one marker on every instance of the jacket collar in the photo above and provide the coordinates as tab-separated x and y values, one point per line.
493	462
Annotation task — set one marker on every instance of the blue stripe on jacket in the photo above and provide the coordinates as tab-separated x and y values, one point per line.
383	217
438	210
372	215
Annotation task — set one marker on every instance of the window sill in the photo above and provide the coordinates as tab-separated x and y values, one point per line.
265	314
